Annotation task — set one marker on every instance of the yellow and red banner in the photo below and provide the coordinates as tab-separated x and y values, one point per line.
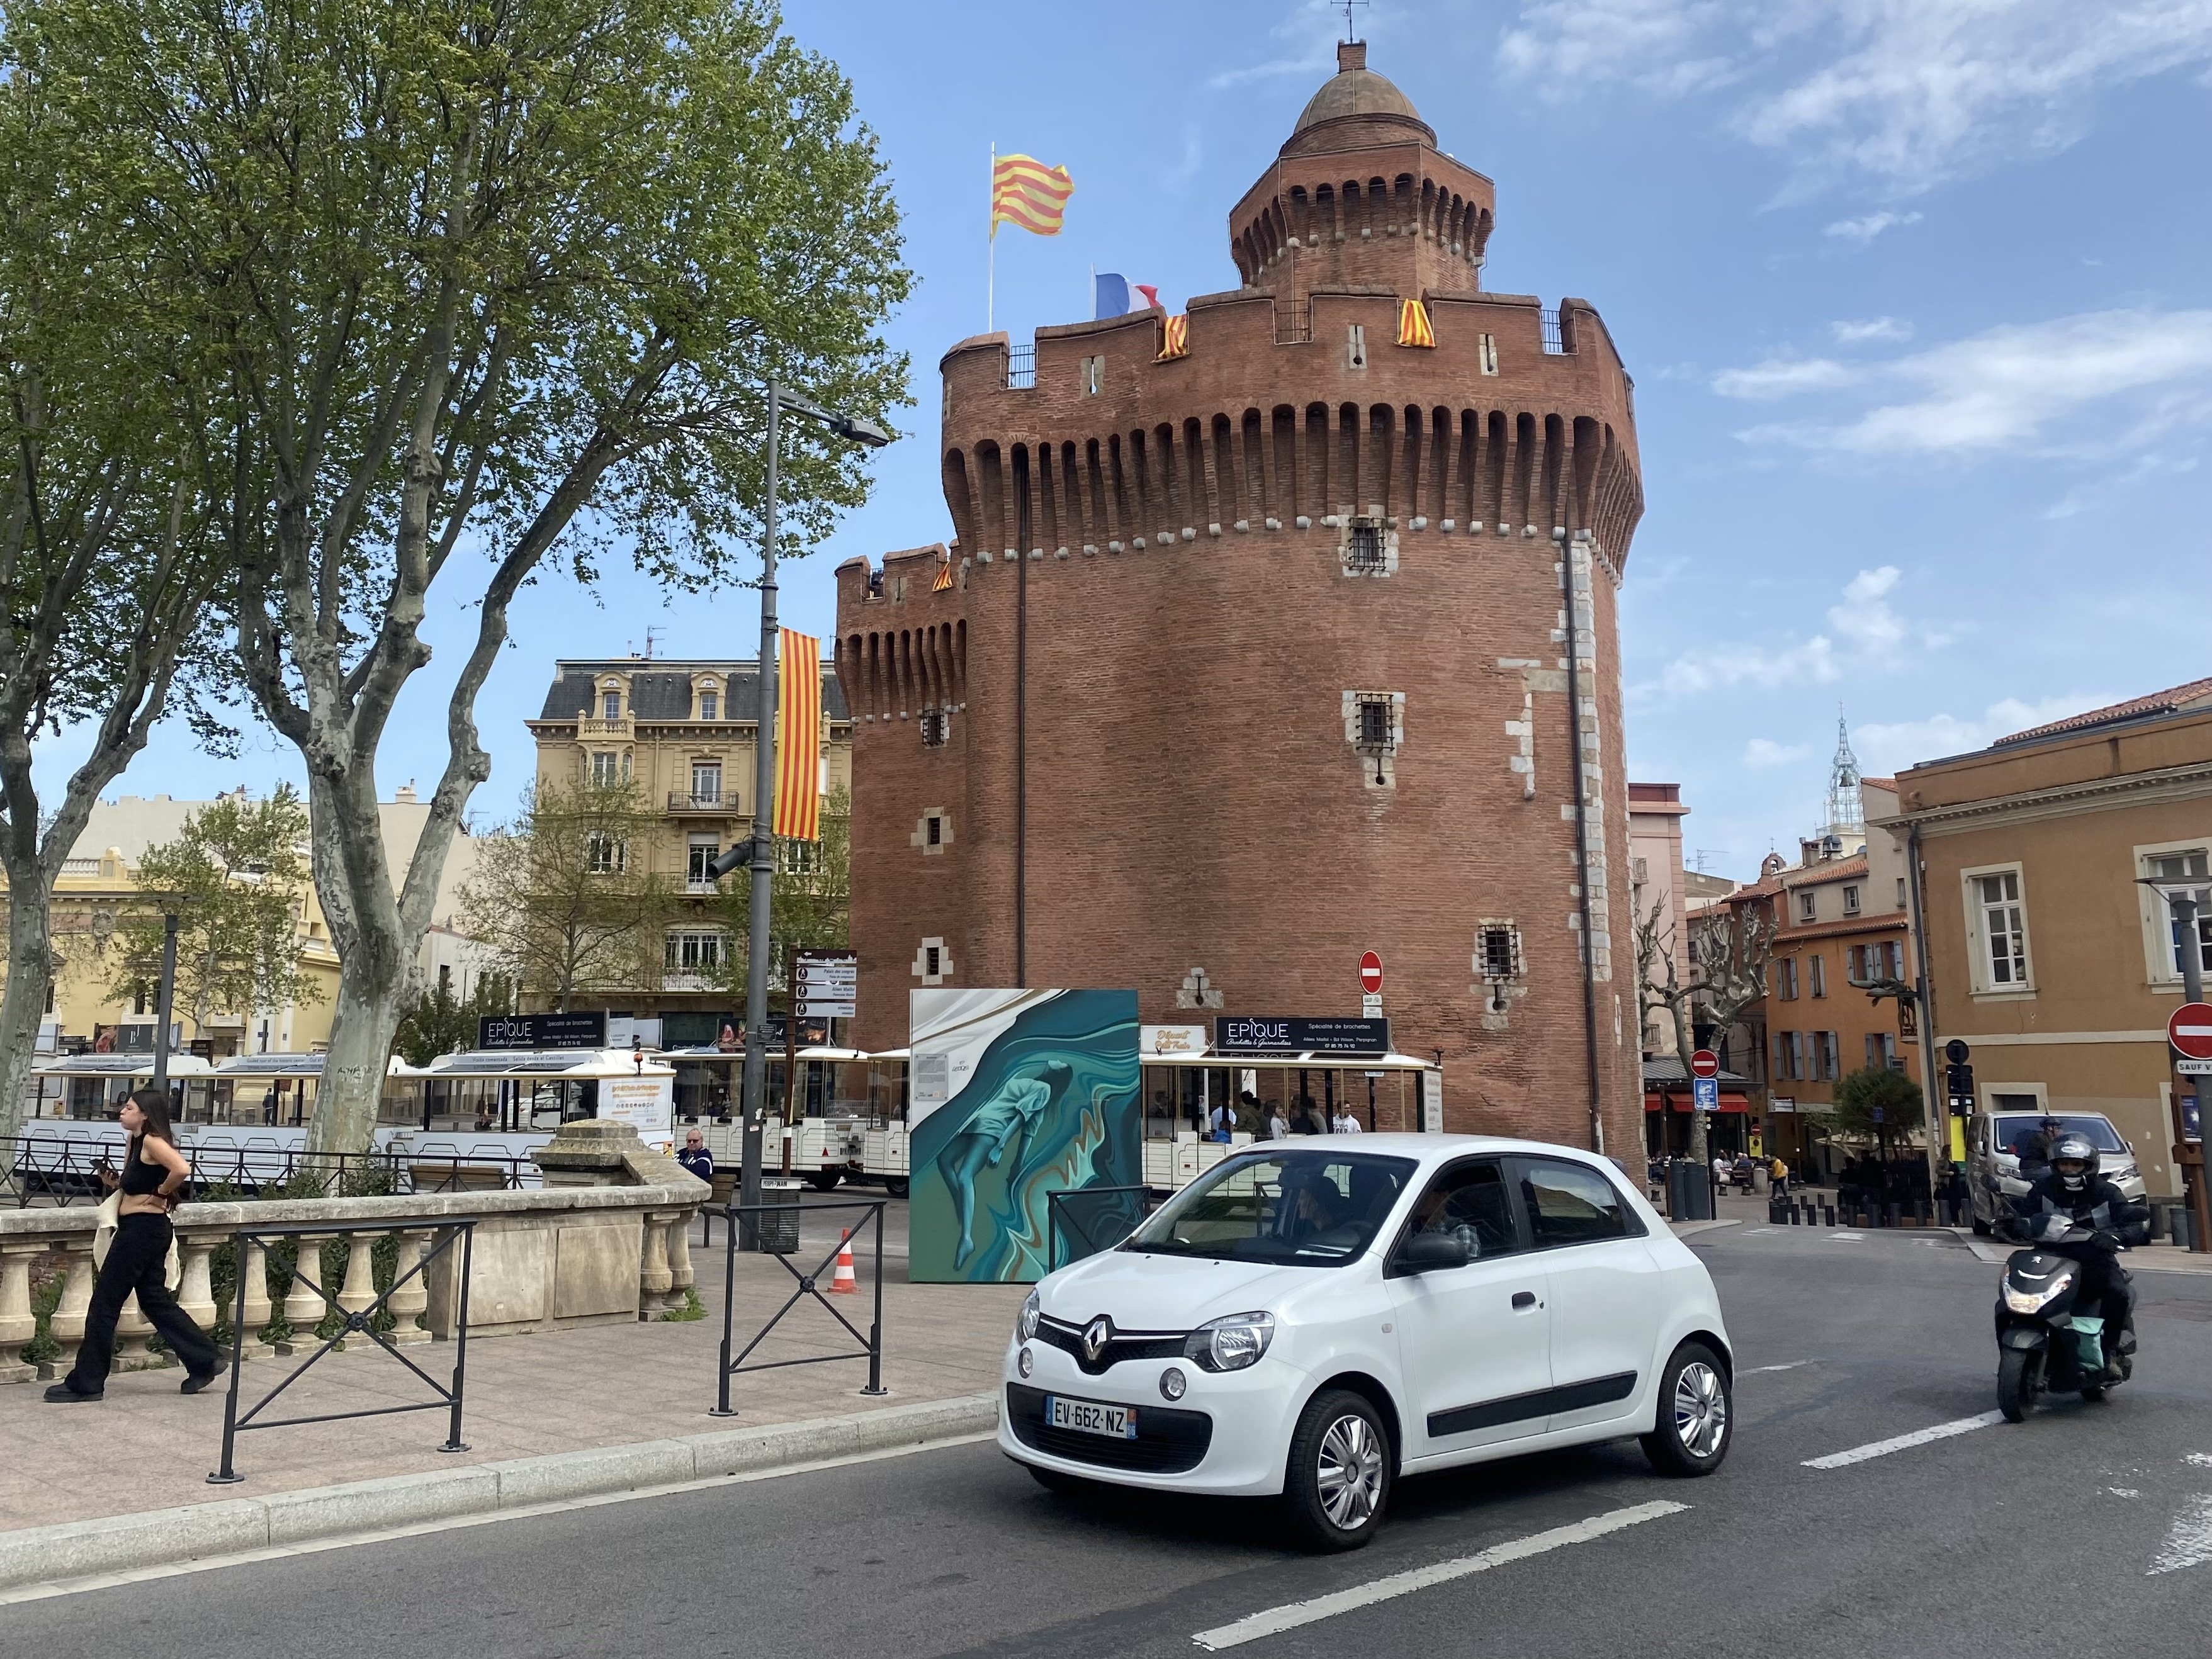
944	582
1175	337
1026	193
1413	328
798	810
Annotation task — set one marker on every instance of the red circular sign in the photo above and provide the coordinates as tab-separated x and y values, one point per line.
1704	1063
1370	974
2189	1030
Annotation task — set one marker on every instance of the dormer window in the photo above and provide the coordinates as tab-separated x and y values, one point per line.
609	705
710	705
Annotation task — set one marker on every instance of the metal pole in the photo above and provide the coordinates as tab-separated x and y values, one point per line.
1939	1120
247	1257
729	1300
876	1326
453	1442
163	1000
1582	839
2188	1154
754	1088
790	1057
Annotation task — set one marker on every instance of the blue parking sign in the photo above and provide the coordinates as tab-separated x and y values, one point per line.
1705	1093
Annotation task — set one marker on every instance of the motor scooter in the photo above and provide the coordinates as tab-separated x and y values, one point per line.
2043	1345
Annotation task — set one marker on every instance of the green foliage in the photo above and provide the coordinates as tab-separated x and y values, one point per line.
235	878
1859	1093
692	1309
565	895
443	1024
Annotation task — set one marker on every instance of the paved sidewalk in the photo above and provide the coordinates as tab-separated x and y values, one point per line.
146	1447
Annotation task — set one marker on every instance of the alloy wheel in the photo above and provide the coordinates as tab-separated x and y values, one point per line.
1350	1475
1700	1410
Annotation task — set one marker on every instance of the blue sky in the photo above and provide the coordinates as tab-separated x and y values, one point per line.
1913	292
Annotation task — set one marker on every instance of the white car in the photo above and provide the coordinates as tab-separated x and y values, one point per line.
1314	1317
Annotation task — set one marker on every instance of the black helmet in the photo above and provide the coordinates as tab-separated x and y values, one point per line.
2073	1148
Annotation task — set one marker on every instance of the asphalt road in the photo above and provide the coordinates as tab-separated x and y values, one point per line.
2068	1532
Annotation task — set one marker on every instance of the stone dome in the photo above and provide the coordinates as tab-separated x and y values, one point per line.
1361	106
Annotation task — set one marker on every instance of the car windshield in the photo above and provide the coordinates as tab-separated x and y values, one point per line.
1308	1209
2015	1135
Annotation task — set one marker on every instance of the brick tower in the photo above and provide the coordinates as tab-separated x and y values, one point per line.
1256	657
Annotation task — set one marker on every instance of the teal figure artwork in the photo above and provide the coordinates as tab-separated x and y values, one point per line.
1017	1095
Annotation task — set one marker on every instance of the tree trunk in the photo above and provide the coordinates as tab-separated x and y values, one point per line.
1684	1046
30	975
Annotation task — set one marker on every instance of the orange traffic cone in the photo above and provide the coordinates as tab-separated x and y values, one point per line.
842	1283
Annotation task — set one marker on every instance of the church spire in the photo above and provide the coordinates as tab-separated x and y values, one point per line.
1846	819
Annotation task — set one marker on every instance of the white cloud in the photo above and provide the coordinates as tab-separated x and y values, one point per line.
1890	748
1764	751
1782	377
1862	632
1906	91
2073	385
1874	328
1864	617
1865	229
1310	32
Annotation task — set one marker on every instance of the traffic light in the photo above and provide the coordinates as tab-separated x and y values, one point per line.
1959	1085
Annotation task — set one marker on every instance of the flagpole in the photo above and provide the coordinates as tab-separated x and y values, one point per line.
991	255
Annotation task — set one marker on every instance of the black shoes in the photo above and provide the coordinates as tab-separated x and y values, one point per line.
199	1379
62	1395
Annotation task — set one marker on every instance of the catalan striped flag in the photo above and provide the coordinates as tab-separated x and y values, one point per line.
944	582
1413	328
1175	337
797	815
1026	193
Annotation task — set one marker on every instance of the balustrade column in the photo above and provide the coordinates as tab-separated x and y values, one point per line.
304	1307
358	1294
253	1263
654	1276
410	1300
18	1324
196	1288
681	1276
67	1326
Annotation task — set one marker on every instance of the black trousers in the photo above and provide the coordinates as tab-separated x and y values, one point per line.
137	1258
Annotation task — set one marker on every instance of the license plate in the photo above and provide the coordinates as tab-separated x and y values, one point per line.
1091	1417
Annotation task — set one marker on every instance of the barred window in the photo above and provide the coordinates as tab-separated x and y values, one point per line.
1374	725
1363	551
936	728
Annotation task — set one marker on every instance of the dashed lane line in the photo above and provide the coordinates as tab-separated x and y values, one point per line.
1757	1370
1275	1620
1904	1442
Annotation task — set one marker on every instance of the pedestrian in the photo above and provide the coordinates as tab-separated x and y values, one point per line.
1303	1122
1278	1126
1721	1168
1779	1175
1219	1122
696	1158
138	1261
1346	1124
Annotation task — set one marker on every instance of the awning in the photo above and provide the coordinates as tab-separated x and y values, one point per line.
1730	1101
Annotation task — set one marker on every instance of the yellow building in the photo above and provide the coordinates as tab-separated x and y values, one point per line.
98	886
681	732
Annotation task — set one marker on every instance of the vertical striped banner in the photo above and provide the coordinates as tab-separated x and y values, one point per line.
798	814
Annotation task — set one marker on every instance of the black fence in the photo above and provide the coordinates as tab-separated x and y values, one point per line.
44	1171
1088	1220
774	1229
364	1321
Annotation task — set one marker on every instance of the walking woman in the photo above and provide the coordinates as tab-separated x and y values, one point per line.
154	1173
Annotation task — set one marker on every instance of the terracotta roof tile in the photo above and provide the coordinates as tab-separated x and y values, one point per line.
2179	698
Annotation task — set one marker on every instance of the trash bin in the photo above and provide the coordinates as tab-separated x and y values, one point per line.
1689	1192
778	1228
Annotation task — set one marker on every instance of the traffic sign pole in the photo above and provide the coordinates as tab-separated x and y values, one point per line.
2189	1047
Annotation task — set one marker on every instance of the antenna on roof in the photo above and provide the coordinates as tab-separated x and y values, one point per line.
1349	37
649	634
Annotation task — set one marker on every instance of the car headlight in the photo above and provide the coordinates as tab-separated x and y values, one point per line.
2032	1301
1026	1326
1231	1343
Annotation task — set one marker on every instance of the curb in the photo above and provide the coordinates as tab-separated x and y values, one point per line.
117	1543
1690	1229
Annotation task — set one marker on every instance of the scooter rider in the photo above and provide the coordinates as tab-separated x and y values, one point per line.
2075	1189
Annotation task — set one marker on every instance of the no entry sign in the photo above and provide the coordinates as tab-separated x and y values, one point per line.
1704	1063
2189	1030
1370	975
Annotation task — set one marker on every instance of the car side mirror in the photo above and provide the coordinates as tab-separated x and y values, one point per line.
1428	1252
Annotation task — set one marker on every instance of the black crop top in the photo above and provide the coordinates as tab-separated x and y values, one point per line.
140	1176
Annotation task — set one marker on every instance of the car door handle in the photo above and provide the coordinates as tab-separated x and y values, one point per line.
1524	1298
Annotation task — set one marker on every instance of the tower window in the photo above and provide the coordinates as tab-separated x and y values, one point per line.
1362	551
1355	345
934	828
1498	955
936	728
1094	376
1487	353
1374	737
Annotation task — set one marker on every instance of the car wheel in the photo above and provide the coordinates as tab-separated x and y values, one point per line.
824	1180
1338	1480
896	1187
1058	1480
1691	1434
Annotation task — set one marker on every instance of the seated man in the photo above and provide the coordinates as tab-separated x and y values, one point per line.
696	1158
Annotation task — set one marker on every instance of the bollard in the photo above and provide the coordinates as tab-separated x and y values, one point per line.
1896	1215
1828	1214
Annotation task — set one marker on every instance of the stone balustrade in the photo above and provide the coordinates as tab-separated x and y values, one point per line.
540	1261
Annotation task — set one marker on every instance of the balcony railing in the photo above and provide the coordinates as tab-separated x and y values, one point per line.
588	727
1021	367
687	982
1555	338
691	801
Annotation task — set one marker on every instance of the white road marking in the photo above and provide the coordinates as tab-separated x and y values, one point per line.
1792	1366
2123	1492
2202	1460
1848	1238
2188	1540
1275	1620
1904	1442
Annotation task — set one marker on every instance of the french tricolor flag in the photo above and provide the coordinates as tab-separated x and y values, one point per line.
1114	291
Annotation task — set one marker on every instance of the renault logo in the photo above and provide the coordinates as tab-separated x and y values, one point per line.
1095	1335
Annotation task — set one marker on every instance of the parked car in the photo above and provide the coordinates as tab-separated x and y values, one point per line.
1308	1321
2004	1157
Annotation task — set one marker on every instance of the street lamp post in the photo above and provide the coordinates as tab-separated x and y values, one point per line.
164	998
760	851
2188	1155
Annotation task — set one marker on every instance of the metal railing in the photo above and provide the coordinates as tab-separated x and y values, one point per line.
1555	338
40	1170
361	1320
1099	1232
1021	367
1294	323
685	800
773	1229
